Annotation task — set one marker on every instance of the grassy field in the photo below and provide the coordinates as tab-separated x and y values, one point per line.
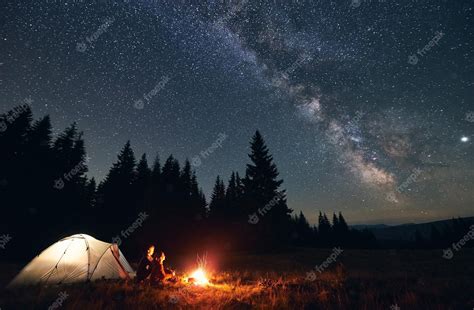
359	279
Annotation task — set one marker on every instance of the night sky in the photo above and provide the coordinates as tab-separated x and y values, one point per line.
367	106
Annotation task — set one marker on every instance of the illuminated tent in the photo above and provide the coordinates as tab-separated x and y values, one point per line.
77	258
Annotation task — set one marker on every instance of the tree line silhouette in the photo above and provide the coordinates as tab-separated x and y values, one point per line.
46	195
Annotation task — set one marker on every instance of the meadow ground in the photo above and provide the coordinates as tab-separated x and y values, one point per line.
359	279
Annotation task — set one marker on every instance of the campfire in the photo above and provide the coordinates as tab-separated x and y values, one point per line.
199	276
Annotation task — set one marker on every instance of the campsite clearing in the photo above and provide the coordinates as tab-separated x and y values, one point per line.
367	279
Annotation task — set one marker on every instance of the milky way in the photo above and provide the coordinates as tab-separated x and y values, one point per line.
366	105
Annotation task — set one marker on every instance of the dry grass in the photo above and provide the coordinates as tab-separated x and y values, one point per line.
359	280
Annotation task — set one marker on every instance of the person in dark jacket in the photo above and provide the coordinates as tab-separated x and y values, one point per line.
146	265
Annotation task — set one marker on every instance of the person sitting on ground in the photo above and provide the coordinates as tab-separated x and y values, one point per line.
146	265
159	273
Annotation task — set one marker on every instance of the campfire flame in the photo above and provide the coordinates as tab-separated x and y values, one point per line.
200	278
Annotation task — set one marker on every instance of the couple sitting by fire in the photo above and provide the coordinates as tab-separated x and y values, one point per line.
151	268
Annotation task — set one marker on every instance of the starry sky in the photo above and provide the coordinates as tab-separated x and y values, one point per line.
366	105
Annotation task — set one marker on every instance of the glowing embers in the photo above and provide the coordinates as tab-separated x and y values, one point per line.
198	277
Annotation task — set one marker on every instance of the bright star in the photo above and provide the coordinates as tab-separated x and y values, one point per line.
464	139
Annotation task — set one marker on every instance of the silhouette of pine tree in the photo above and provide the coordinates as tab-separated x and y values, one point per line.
186	179
143	172
190	197
233	196
315	242
63	148
202	203
70	198
117	191
199	211
15	201
40	166
342	231
218	204
303	234
156	173
335	222
143	185
231	192
170	179
344	228
261	187
325	230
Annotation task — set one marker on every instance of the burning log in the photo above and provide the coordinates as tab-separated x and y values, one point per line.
199	276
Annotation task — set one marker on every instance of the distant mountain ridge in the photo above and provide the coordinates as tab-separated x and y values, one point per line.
406	231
